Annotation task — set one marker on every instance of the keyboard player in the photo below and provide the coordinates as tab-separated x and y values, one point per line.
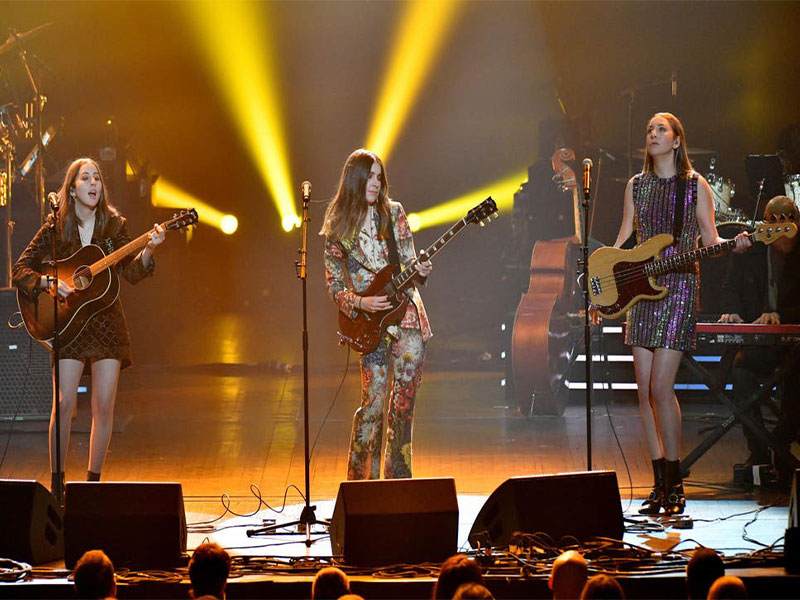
763	286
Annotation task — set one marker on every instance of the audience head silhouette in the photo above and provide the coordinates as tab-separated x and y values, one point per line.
704	568
602	587
208	571
330	583
454	572
568	575
94	576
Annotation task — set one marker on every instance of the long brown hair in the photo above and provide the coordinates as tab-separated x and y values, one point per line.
680	155
349	207
67	219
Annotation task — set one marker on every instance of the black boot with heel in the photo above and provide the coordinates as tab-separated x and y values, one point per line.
653	503
675	501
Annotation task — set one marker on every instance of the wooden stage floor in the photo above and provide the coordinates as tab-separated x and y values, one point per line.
221	429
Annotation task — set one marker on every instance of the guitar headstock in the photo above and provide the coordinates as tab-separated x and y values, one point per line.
482	212
181	220
770	231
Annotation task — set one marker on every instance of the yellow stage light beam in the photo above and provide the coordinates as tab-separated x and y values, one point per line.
167	195
235	38
502	191
423	29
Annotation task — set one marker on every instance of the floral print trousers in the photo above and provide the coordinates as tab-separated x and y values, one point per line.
394	371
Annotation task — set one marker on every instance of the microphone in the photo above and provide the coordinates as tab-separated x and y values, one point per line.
52	198
587	176
674	83
305	188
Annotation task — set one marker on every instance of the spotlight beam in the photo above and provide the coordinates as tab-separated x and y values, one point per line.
423	29
233	38
501	190
167	195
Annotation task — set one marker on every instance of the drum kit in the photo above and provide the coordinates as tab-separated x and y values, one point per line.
18	123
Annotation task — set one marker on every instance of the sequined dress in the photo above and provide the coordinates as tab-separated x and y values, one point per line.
669	322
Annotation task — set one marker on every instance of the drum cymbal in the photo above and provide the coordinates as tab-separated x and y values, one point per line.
12	40
693	151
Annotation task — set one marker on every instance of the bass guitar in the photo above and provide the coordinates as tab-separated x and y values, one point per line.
96	285
364	331
618	279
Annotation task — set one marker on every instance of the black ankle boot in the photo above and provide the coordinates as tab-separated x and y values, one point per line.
675	501
57	487
653	503
92	476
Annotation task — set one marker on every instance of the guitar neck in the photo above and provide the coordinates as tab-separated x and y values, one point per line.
665	265
116	256
403	278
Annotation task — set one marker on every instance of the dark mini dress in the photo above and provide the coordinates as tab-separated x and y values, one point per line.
106	333
669	322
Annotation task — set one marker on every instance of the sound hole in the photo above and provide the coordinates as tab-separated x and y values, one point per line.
82	278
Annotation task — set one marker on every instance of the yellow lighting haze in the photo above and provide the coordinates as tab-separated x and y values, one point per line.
502	191
235	38
167	195
424	27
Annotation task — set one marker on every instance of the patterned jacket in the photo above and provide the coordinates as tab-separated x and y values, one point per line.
349	269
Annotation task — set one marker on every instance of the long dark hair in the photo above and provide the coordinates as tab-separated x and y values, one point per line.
348	209
67	219
680	155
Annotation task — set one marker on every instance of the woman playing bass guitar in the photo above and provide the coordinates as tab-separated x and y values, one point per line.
666	197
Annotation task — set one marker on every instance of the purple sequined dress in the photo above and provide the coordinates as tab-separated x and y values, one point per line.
669	322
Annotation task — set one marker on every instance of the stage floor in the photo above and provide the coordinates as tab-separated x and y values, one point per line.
222	429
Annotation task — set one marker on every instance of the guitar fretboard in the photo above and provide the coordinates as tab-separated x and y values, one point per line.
404	277
665	265
120	253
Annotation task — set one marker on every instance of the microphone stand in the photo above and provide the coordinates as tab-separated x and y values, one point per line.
58	490
307	516
587	330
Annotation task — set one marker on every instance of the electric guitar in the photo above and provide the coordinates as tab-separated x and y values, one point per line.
618	279
96	285
364	331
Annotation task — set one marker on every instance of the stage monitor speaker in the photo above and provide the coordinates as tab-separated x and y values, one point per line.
31	523
582	505
395	521
26	382
138	525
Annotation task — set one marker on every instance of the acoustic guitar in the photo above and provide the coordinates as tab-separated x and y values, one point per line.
618	279
364	331
96	285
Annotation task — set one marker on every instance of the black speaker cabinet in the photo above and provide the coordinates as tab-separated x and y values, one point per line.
26	383
138	525
582	505
31	523
394	521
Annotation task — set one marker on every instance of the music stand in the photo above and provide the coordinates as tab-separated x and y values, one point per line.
769	168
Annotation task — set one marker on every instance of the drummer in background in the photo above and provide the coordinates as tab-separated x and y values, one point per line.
763	286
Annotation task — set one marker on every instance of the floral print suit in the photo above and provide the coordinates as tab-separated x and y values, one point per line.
394	368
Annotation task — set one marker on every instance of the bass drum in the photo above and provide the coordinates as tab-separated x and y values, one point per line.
712	273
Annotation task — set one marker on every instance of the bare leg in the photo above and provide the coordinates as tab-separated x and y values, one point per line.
643	365
662	391
69	371
105	375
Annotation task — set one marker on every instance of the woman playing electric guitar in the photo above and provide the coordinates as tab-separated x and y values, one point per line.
666	197
85	216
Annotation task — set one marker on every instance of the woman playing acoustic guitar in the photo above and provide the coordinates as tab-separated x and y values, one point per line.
363	229
668	196
85	217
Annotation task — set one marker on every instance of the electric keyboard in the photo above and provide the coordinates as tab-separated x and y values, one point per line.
749	334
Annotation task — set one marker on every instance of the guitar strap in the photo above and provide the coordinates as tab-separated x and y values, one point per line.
680	201
394	256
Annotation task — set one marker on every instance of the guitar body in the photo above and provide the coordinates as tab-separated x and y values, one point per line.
617	280
92	294
542	346
363	333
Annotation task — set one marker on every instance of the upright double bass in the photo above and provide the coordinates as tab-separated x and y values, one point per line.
543	341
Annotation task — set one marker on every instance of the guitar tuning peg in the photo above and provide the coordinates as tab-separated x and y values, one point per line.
481	223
